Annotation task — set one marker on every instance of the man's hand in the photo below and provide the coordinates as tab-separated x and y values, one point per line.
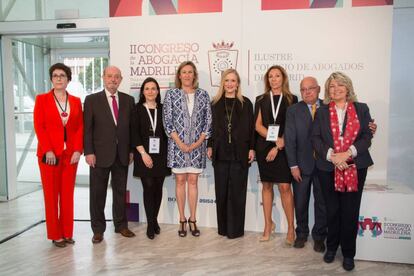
296	174
91	160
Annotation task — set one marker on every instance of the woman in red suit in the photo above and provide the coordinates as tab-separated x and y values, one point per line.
58	122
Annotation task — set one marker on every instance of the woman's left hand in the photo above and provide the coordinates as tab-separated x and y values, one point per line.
342	166
280	143
339	157
75	157
272	154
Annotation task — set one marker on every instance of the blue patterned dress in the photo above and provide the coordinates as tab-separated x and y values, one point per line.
176	118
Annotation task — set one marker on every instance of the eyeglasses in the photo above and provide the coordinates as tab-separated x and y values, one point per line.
310	89
62	76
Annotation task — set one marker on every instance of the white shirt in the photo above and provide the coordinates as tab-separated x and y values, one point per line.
190	97
109	98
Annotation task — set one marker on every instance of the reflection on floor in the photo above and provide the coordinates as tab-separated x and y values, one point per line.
31	254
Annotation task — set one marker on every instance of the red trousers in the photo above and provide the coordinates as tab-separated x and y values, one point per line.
58	188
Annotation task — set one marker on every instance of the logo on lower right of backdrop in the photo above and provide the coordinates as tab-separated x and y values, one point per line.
369	224
387	228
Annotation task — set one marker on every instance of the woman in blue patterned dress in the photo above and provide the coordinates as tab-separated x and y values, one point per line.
187	122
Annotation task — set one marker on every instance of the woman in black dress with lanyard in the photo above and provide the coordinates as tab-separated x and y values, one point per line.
231	148
150	157
270	114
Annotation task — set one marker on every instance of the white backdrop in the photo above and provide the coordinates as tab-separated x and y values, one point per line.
314	42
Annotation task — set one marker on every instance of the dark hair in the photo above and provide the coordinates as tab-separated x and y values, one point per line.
60	66
141	93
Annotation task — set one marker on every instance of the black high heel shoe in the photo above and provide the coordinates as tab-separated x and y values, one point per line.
157	228
150	231
194	231
182	231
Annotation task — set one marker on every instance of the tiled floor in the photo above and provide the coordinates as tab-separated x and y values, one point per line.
31	254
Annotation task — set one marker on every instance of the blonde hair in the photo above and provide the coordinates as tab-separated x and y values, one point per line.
221	91
177	75
285	84
342	79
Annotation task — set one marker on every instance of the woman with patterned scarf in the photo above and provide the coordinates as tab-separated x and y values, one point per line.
341	138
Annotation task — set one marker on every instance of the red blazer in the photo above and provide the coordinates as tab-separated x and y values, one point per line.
49	128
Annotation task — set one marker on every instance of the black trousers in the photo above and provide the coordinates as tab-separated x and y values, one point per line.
231	188
343	213
98	181
301	194
152	187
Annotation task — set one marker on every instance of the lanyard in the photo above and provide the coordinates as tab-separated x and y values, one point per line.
274	113
153	121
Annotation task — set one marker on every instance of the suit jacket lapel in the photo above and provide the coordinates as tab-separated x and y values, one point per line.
305	113
328	125
121	106
55	112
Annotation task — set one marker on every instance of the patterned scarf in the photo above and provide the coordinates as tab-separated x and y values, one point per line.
345	180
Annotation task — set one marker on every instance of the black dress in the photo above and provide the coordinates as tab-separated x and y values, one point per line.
141	135
276	171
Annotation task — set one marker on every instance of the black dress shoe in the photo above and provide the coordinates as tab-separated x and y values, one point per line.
319	246
299	243
69	240
348	263
97	238
125	232
329	257
60	244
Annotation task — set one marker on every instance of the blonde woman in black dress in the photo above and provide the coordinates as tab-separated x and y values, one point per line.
270	116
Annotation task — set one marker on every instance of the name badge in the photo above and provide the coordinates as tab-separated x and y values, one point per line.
154	145
272	133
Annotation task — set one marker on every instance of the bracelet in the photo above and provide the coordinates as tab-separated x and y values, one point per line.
142	152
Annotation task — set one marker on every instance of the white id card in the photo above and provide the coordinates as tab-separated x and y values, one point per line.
272	133
154	145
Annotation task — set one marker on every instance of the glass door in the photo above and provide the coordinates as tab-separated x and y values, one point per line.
30	77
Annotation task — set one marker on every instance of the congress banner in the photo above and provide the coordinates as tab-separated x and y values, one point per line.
151	38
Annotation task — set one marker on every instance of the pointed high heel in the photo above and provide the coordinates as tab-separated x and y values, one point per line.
290	242
193	229
182	231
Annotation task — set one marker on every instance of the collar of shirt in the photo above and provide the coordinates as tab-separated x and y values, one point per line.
108	95
318	104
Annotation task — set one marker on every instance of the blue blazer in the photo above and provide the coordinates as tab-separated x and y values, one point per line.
298	132
322	138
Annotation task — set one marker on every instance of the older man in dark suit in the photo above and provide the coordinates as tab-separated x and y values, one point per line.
108	119
301	161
